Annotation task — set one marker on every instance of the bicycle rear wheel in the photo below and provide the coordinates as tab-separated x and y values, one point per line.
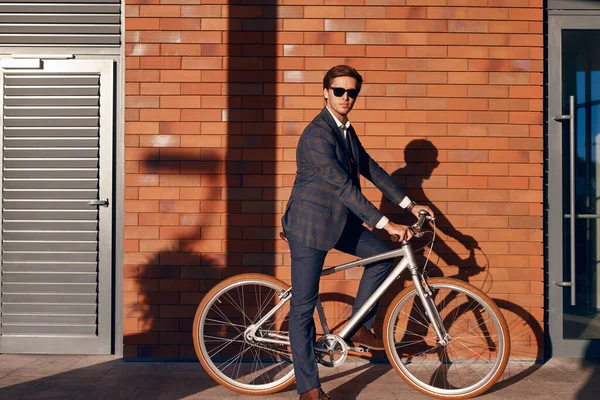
477	350
225	352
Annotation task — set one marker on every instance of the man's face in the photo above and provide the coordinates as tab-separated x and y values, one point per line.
341	106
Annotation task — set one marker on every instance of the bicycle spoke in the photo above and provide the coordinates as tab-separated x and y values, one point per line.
473	352
222	314
262	308
232	359
217	322
410	342
232	302
465	332
411	318
240	364
222	346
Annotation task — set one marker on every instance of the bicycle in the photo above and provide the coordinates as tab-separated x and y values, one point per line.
443	336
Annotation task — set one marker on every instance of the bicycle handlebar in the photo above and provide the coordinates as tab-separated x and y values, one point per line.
417	227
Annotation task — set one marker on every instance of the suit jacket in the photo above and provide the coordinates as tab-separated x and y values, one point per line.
324	192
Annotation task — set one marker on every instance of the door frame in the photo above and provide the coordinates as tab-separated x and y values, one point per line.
557	346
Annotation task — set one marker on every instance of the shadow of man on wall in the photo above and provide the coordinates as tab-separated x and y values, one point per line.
421	158
458	255
181	266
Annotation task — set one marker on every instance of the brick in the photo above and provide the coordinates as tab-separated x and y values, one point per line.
328	38
487	169
527	14
213	63
509	209
526	40
143	24
488	13
467	182
509	182
179	24
448	39
447	116
159	11
343	50
509	156
425	52
526	92
303	25
477	78
406	12
467	104
533	118
508	27
468	52
427	77
447	91
343	25
366	38
480	221
204	11
138	232
378	25
160	115
509	104
406	64
303	50
447	65
160	37
468	156
426	104
509	78
491	117
508	53
468	26
364	12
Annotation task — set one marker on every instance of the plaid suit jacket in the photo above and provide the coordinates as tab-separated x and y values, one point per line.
324	194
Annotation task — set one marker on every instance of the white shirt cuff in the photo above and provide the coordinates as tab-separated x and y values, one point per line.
405	202
382	222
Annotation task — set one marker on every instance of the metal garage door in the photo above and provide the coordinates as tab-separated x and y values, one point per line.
57	135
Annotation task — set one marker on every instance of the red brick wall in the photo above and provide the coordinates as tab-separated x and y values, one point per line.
217	96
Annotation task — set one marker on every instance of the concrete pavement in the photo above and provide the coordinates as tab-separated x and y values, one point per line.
69	377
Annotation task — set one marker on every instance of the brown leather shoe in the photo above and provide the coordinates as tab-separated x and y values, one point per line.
366	338
315	394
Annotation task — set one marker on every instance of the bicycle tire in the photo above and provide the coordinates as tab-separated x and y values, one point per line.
415	338
214	336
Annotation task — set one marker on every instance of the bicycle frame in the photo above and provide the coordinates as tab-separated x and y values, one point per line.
407	261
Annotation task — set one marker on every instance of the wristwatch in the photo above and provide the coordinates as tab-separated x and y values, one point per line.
411	206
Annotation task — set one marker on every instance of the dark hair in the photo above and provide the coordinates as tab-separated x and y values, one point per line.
342	70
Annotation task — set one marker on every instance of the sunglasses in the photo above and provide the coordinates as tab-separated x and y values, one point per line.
339	92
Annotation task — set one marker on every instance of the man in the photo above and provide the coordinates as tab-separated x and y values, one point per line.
326	210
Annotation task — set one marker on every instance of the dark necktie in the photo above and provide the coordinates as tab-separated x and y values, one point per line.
353	169
348	144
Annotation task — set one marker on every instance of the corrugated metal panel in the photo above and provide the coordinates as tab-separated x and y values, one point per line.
49	231
60	22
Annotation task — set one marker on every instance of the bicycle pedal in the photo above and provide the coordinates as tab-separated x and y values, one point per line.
357	349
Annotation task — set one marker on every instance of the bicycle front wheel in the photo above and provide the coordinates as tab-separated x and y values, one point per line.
475	354
226	353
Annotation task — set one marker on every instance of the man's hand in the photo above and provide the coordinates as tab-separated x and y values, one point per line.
401	231
417	208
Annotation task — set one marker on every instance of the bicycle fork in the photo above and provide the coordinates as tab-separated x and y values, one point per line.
426	296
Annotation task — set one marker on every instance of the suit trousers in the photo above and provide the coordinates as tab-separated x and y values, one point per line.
307	264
